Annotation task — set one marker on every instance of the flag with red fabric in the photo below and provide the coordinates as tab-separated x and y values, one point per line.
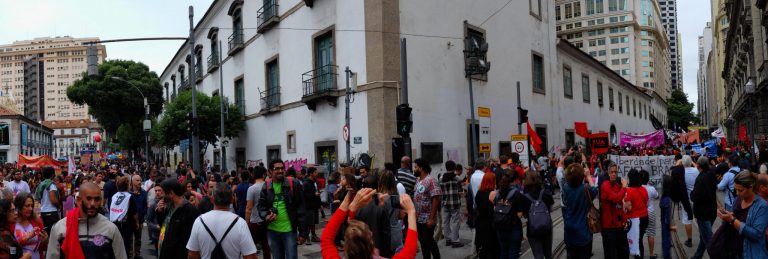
581	129
743	133
535	140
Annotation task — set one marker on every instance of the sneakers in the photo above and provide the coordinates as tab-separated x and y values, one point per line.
314	238
688	243
457	245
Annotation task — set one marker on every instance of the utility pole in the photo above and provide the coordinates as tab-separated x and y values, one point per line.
404	94
519	126
224	143
348	74
192	78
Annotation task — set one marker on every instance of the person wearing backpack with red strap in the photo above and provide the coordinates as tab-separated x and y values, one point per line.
281	205
220	233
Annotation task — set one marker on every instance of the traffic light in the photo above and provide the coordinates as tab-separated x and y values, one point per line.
404	123
522	116
92	60
190	122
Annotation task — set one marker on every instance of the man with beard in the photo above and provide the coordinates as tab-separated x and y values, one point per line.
85	233
177	220
153	223
281	206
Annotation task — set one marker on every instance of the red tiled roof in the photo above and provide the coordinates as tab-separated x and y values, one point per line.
67	124
6	111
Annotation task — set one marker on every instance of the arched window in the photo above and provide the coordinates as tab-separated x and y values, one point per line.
236	39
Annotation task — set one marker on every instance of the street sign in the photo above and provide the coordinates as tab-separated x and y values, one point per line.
483	112
485	148
357	140
520	146
345	132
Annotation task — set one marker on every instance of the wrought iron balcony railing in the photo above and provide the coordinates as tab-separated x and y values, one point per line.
267	15
320	80
235	42
270	99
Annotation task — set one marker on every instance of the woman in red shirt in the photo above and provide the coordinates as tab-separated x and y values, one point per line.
358	236
638	208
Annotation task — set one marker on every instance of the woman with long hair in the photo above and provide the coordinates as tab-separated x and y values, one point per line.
9	247
486	240
387	186
28	228
749	216
578	192
358	238
534	191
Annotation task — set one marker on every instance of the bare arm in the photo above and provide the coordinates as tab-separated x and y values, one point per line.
248	209
193	255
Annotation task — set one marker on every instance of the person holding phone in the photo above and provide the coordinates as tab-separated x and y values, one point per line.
750	216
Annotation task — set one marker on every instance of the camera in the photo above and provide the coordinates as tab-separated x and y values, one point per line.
273	210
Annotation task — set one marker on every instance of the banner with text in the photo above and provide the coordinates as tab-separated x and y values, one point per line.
657	166
654	139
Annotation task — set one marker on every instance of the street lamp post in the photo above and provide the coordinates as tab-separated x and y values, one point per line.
147	124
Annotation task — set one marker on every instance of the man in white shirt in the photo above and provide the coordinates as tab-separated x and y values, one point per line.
17	185
477	176
223	227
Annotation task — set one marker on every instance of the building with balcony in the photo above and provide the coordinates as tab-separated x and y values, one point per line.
745	72
72	137
719	32
284	63
626	35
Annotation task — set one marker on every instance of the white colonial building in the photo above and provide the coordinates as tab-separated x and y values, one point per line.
284	62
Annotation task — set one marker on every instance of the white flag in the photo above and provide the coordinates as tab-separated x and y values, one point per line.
71	166
718	133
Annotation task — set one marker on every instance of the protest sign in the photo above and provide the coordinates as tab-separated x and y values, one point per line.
654	139
657	166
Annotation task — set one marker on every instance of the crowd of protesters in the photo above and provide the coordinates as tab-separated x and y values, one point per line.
269	210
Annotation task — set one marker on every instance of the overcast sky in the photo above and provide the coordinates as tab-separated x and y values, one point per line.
106	19
692	17
115	19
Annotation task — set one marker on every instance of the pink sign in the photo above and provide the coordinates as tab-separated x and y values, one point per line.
654	139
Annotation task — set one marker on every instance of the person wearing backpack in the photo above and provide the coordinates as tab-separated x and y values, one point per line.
536	207
255	223
220	233
281	206
726	182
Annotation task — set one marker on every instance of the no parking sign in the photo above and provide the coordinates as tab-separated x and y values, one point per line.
520	146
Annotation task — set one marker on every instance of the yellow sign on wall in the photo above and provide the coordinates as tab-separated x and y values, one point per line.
485	148
484	112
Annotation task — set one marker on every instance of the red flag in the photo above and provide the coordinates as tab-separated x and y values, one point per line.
535	140
581	129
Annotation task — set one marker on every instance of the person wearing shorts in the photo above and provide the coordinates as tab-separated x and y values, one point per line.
650	230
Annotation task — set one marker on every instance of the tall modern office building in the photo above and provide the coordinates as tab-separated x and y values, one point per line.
704	82
625	35
35	74
669	20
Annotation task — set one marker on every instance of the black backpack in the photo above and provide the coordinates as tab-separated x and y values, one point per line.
503	212
218	251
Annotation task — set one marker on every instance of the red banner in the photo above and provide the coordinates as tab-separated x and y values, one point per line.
743	133
599	143
38	162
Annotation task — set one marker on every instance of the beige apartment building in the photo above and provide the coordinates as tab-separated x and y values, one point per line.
720	24
626	35
35	74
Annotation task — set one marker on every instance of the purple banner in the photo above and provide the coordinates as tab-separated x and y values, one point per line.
654	139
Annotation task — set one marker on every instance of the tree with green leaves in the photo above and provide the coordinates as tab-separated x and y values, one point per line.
172	127
118	104
680	111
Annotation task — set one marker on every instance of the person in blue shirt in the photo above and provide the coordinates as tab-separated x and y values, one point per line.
577	196
726	182
752	230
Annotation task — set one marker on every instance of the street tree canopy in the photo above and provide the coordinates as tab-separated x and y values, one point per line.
172	126
680	111
115	103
